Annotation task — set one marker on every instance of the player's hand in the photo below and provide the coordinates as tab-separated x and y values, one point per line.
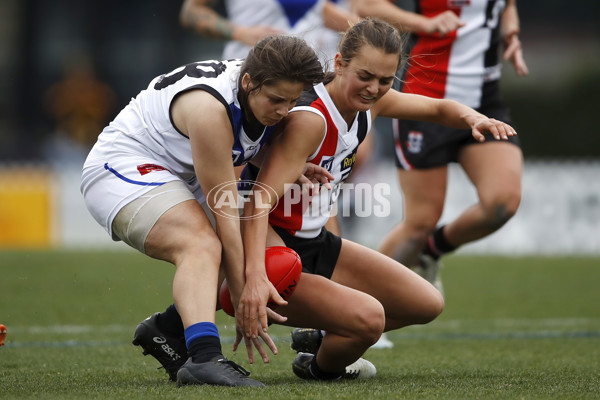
514	53
498	129
273	317
249	35
443	23
252	316
313	176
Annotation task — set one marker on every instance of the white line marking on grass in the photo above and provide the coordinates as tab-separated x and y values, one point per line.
543	323
575	323
516	328
394	336
72	329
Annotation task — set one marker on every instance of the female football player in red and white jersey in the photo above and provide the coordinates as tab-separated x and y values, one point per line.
352	292
456	56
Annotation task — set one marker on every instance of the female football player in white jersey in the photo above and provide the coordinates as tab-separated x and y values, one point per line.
350	291
147	175
456	55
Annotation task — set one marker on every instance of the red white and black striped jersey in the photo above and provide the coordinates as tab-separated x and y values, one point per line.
305	215
457	65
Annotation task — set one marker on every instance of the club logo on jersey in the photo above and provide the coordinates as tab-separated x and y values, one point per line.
414	144
327	163
239	156
235	156
228	199
147	168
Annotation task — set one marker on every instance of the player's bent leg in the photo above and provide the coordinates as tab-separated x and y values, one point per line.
184	237
133	224
406	297
353	320
181	233
424	193
168	239
495	168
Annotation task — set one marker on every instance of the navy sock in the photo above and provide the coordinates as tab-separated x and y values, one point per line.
437	244
205	349
203	342
170	322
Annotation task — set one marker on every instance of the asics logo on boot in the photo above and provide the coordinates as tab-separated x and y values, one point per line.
166	348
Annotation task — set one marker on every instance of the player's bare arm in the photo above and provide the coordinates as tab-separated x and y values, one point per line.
336	18
211	150
510	29
283	163
407	21
446	112
199	16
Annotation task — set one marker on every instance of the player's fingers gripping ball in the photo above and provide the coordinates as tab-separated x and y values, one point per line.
283	267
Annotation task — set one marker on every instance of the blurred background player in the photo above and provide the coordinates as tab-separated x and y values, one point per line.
316	21
455	55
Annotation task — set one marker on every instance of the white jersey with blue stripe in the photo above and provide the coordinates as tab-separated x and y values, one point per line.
145	124
141	148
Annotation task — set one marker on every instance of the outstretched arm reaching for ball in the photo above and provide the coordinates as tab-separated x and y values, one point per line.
442	111
283	164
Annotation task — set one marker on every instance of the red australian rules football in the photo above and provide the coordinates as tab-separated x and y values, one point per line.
283	267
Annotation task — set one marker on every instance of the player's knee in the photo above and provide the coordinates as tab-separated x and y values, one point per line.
501	213
502	209
202	247
370	323
430	306
511	203
210	246
419	233
433	306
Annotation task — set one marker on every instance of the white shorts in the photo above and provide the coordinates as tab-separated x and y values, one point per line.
107	187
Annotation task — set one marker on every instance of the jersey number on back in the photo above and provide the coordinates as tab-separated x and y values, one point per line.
193	70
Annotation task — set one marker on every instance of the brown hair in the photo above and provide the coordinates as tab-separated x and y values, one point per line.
277	58
373	32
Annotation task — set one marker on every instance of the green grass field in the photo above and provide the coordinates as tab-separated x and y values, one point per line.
513	328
